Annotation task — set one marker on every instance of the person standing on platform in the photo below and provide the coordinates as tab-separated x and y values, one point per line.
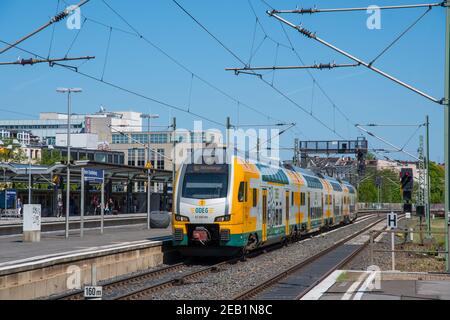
60	208
19	206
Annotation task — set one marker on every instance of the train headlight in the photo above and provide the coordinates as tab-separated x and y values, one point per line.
223	218
181	218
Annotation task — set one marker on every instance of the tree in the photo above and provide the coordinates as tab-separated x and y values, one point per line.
11	152
389	189
50	157
367	192
437	180
370	156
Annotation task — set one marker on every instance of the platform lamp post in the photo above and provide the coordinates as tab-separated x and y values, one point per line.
69	92
149	118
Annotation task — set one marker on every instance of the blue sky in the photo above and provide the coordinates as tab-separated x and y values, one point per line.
362	95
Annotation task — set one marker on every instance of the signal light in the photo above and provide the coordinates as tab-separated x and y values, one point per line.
181	218
226	218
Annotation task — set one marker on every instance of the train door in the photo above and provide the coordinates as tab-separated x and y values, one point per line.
264	215
288	207
309	209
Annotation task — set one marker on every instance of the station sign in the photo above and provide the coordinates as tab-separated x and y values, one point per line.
11	196
94	176
93	292
392	221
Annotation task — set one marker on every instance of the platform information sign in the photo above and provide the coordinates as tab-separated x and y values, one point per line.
93	176
93	292
392	220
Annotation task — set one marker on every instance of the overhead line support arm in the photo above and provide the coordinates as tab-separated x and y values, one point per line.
313	36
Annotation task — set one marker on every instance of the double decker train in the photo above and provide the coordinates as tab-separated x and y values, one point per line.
236	206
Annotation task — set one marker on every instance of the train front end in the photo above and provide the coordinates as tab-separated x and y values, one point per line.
202	221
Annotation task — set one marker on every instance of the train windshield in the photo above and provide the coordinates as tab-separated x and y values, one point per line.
205	182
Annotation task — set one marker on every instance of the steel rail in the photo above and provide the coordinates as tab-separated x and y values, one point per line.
315	10
125	281
146	291
180	280
313	36
78	295
342	263
272	281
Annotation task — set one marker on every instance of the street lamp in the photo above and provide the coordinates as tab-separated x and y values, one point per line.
149	118
69	92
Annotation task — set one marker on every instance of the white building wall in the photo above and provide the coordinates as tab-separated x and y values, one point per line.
83	140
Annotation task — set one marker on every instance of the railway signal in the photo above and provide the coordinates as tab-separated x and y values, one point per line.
407	186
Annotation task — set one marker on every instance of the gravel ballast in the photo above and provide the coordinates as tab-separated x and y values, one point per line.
235	279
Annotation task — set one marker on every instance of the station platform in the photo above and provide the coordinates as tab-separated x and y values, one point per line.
14	221
383	285
14	251
46	268
13	226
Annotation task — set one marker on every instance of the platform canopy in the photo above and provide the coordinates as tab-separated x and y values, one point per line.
19	173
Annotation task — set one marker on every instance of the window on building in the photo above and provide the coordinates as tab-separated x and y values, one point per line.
159	138
101	157
157	159
139	138
132	157
120	139
141	157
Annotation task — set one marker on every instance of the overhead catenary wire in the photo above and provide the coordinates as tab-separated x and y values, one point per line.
52	38
108	46
57	18
82	26
311	35
243	63
300	59
400	36
160	102
28	115
387	142
183	66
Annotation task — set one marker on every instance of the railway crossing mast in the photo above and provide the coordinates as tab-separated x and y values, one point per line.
445	102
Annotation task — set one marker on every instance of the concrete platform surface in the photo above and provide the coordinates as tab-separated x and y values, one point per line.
384	285
14	251
17	221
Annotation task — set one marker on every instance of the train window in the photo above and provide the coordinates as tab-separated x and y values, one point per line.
255	197
241	193
302	199
205	182
287	206
292	199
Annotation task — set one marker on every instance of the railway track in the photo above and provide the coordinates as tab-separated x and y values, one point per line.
307	274
111	287
145	284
